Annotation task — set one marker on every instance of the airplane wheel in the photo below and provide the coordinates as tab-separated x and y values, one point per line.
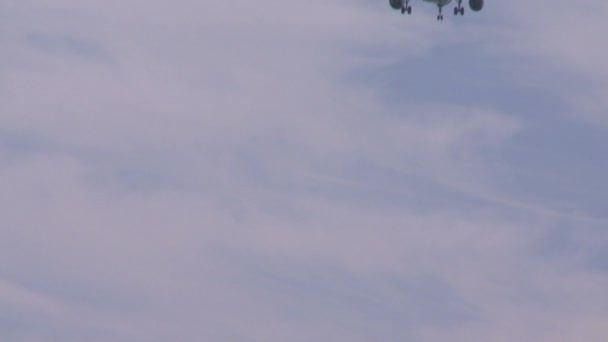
409	10
455	10
461	10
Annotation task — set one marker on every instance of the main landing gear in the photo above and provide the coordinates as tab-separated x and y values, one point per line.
407	8
459	9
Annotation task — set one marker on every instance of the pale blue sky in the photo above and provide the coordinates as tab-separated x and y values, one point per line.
313	171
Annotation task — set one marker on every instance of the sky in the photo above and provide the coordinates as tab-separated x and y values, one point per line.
323	170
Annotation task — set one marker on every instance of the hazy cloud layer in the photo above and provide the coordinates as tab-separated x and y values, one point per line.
322	170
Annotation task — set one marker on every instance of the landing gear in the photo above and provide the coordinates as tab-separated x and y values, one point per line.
440	16
459	9
406	8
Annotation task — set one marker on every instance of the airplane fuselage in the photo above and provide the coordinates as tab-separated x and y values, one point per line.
439	2
404	6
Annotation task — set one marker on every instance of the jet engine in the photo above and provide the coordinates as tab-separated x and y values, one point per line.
476	5
396	4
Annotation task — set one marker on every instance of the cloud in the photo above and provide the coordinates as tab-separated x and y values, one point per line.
319	170
566	40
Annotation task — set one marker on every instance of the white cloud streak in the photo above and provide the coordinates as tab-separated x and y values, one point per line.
208	171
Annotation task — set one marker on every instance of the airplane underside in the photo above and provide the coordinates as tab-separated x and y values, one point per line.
404	6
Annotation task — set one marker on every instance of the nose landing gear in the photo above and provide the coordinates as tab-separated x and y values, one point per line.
440	16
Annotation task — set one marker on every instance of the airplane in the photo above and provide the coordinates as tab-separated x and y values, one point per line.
404	6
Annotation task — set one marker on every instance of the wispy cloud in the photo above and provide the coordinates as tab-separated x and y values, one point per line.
322	170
